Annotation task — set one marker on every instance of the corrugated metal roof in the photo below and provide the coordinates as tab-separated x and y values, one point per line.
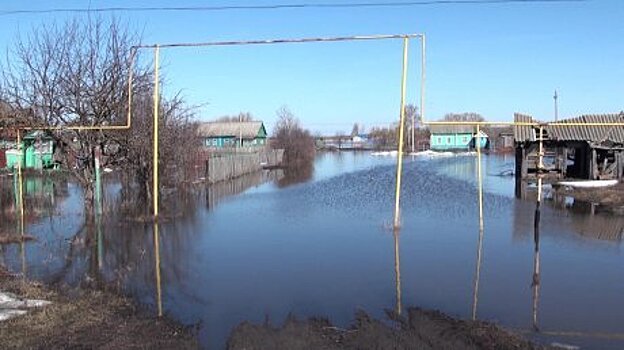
452	129
247	130
523	132
591	133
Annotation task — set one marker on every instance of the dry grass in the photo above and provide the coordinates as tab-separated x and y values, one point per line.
91	320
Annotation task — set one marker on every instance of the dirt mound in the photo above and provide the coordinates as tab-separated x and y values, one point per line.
420	329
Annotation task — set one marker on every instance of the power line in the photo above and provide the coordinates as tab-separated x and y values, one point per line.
281	6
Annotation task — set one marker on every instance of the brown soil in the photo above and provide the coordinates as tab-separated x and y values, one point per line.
419	329
89	320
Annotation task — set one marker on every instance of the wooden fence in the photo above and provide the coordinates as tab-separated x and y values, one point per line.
223	165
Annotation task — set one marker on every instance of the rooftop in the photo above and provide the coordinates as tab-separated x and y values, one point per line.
591	133
247	130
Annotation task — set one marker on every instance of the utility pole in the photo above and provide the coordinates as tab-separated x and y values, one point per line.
556	107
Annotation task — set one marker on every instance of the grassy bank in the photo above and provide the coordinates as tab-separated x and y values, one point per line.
86	319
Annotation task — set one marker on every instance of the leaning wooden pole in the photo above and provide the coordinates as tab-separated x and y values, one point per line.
397	196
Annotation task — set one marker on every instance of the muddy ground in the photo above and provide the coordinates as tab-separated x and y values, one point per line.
89	319
418	329
610	197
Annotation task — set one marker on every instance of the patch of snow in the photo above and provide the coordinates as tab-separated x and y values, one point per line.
385	153
434	154
7	314
589	183
12	306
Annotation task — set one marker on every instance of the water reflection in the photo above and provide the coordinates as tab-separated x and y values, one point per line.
316	249
536	257
477	274
157	269
219	191
397	271
297	174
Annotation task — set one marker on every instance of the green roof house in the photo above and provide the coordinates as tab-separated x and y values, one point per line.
455	137
232	134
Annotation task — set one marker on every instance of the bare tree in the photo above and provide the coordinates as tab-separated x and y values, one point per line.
240	117
76	74
355	131
298	144
70	75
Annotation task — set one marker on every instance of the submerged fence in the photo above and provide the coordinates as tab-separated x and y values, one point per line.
221	166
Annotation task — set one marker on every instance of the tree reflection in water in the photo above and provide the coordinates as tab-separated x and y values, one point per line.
296	173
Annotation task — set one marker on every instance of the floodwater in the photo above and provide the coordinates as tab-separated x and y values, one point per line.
319	243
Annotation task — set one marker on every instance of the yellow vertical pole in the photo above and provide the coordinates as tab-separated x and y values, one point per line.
423	76
157	268
397	196
155	144
480	242
479	176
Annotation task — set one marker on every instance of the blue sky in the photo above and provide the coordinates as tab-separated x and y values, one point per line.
493	59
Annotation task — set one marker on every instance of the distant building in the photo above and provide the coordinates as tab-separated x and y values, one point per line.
455	137
230	134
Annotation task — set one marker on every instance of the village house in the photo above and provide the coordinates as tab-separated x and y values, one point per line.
455	138
233	134
37	150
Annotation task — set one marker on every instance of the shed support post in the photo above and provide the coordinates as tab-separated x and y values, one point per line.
594	165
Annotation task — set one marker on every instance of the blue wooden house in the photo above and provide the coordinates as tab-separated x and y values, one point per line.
455	138
233	134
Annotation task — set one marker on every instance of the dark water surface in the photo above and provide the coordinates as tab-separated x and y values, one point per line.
323	247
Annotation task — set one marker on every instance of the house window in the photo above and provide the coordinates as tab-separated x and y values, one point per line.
449	140
439	140
465	139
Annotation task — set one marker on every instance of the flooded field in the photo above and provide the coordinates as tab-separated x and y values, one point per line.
319	243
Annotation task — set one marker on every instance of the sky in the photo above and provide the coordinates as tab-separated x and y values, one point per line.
492	59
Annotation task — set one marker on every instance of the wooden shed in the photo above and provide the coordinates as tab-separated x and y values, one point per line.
587	152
